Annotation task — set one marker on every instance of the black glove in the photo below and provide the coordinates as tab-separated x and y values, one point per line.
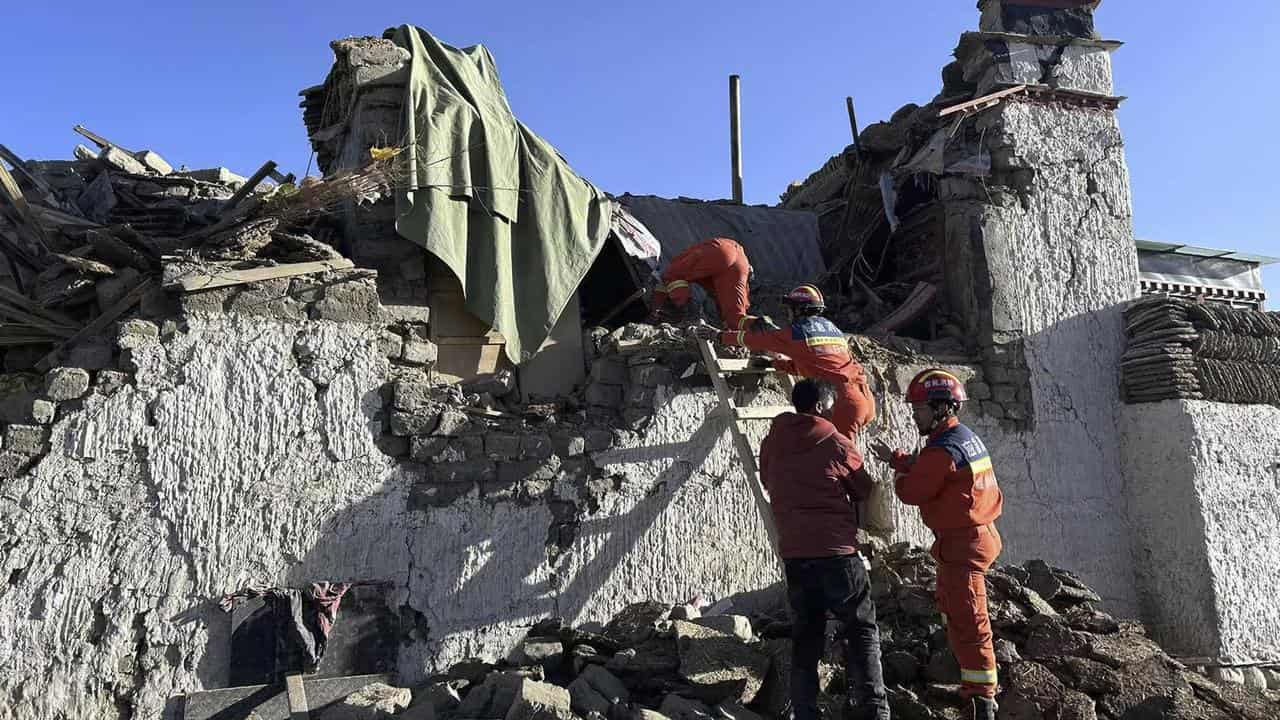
760	361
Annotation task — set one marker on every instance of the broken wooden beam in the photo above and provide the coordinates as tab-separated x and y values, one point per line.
108	316
26	304
267	168
982	103
194	281
621	306
20	213
914	306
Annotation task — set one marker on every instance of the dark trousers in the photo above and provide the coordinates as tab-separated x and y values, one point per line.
838	585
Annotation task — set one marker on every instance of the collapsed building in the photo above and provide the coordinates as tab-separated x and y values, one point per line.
212	384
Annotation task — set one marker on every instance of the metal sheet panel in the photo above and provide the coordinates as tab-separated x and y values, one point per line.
1198	270
782	244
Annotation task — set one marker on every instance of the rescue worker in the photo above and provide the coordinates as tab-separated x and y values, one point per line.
815	476
721	267
815	348
953	483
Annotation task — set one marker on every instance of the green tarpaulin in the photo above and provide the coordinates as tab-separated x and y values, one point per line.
490	198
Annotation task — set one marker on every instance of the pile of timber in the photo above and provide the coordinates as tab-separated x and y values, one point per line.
1182	349
83	241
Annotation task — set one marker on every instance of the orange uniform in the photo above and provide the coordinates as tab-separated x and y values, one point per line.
720	266
954	485
815	348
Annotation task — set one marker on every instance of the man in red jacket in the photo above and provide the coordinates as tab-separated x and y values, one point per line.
953	483
814	476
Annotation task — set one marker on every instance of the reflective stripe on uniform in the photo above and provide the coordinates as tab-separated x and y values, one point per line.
981	677
820	340
743	322
980	465
742	337
677	284
944	617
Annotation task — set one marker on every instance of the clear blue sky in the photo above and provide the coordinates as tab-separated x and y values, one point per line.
634	94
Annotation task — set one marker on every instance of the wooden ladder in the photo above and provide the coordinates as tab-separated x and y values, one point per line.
719	369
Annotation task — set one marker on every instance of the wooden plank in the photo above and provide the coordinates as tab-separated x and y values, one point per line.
297	693
763	412
225	278
107	317
21	168
745	452
982	102
98	140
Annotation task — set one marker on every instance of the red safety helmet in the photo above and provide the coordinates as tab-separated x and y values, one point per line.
936	384
807	297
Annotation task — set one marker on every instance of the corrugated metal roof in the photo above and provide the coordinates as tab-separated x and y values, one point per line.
782	244
1199	252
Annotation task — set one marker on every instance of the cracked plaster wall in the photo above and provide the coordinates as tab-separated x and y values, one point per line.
227	462
1204	492
1045	257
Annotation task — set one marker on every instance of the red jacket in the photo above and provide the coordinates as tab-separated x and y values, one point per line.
952	480
811	473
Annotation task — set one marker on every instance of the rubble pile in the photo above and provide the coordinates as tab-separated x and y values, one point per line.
87	238
1196	351
1060	658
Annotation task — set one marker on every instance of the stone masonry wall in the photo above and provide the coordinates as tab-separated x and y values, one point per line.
244	446
249	448
1042	252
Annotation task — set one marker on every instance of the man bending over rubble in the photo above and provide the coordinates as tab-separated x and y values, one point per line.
721	267
814	476
953	482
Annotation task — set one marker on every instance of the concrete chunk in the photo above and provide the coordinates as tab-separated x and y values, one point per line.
66	383
419	352
154	162
43	411
719	666
374	701
736	625
117	159
14	464
411	396
26	439
419	422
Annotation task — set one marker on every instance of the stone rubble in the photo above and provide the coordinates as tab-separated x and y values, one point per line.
1060	657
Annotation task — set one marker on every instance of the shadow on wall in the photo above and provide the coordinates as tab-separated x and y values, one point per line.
469	577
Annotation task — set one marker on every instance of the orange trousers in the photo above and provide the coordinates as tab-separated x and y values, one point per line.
963	556
854	409
720	266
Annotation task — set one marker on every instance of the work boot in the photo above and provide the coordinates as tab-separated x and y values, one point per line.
984	708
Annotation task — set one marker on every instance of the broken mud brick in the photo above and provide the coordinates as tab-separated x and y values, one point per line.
26	439
66	383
